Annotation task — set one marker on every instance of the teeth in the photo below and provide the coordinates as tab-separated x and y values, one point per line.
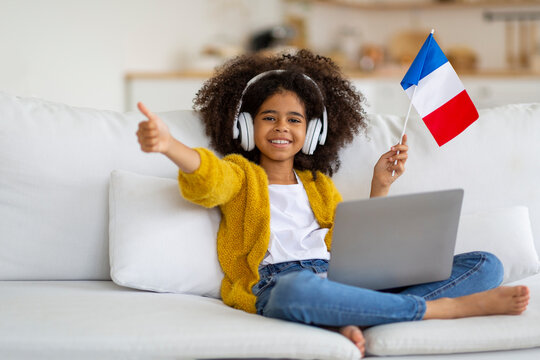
279	142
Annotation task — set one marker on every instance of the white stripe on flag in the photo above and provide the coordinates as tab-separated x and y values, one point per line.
436	89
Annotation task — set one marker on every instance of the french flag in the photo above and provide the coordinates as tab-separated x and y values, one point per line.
437	93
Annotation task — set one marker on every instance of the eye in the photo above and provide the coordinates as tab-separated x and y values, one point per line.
294	120
268	118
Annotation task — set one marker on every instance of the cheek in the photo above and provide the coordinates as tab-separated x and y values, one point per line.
301	133
259	134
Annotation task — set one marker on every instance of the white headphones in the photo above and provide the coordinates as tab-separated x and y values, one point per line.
243	123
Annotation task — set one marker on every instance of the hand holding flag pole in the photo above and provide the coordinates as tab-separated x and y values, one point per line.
437	93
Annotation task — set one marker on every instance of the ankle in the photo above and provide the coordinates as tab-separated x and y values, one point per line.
443	308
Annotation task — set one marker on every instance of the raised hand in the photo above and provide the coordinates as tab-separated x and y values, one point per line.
153	134
382	172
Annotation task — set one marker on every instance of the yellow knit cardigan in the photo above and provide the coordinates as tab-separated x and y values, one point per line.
240	188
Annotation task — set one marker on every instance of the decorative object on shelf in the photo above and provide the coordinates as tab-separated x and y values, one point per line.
523	54
272	37
462	58
348	44
371	57
403	46
298	24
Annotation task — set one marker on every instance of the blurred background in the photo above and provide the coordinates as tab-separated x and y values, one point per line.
109	54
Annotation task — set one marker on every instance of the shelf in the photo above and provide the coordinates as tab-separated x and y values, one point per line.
391	73
421	5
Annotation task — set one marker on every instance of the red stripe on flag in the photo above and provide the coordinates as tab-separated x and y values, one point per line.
449	120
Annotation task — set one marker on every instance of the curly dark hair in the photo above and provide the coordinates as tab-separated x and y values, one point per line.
218	99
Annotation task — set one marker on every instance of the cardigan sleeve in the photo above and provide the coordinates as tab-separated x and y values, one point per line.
214	183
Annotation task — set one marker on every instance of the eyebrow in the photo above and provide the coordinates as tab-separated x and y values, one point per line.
275	112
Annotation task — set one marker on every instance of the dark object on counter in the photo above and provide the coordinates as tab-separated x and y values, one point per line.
274	36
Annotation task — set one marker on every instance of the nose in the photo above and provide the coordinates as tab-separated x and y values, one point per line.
281	126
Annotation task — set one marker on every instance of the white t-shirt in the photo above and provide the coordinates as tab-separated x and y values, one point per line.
295	234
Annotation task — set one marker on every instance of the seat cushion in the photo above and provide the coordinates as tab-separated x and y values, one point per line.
101	320
475	334
98	319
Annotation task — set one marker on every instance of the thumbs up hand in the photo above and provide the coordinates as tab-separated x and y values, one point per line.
153	134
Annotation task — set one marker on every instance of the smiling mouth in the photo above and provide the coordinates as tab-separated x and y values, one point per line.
280	142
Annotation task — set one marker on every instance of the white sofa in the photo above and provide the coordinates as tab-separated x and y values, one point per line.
57	300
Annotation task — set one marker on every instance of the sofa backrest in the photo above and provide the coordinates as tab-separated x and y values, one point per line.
55	164
56	160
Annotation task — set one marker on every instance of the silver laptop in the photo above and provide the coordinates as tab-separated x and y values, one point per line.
395	241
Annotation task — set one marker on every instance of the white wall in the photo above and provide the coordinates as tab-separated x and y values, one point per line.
77	51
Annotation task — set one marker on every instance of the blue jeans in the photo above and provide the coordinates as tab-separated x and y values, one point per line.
294	291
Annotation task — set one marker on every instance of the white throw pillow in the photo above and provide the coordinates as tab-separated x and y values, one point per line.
159	241
506	233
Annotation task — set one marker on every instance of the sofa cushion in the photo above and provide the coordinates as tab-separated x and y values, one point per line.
484	333
55	165
505	232
100	320
158	240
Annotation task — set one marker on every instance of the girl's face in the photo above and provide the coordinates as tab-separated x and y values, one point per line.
280	127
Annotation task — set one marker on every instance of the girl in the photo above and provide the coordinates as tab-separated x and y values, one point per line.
280	122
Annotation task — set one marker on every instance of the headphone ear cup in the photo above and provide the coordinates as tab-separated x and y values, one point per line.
312	136
245	124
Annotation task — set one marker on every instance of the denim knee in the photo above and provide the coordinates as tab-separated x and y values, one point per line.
492	269
495	268
287	298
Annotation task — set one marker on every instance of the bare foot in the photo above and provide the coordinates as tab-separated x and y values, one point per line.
504	300
354	334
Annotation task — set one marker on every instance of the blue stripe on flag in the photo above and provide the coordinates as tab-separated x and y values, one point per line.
429	58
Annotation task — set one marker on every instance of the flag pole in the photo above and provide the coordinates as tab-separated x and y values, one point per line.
404	126
407	118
